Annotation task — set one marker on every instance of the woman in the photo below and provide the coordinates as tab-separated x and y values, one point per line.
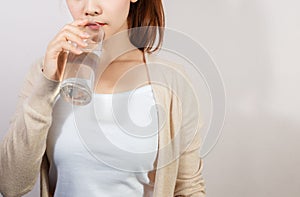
39	131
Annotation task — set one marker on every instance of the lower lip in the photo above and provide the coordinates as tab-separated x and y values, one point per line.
95	27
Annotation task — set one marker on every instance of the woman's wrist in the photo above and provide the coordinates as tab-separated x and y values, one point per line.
50	71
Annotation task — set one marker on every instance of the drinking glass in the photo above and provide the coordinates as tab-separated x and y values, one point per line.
81	70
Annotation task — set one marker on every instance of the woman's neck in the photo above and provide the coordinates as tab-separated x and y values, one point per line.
119	48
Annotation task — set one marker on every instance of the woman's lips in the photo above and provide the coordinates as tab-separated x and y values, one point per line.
95	25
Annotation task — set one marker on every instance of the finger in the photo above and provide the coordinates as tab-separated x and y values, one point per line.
74	38
76	30
69	47
80	22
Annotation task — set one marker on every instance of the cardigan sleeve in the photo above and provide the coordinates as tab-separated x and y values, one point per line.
189	181
23	147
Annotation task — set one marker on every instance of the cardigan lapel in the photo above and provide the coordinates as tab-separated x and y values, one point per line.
166	164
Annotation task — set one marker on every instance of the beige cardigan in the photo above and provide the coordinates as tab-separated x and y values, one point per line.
178	164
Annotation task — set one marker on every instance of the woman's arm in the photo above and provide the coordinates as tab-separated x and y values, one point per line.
24	145
189	180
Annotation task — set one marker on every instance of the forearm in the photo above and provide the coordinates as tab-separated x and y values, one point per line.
24	145
190	181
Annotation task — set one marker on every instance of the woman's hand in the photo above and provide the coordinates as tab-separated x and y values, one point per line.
69	39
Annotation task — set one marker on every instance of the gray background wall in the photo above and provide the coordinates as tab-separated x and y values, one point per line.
255	44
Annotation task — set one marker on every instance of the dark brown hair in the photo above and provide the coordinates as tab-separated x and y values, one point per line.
146	21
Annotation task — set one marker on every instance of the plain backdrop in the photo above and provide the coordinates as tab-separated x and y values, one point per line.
255	44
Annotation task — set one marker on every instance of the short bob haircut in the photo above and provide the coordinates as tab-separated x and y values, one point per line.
146	20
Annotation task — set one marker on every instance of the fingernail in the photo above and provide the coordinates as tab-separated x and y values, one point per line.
85	43
86	35
79	51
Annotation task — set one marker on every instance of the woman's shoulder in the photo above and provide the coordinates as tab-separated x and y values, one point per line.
165	65
160	59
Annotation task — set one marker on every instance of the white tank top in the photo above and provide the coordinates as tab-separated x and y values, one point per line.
105	148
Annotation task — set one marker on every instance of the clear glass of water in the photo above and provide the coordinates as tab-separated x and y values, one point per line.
80	70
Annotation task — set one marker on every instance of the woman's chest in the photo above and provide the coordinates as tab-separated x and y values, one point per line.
119	130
